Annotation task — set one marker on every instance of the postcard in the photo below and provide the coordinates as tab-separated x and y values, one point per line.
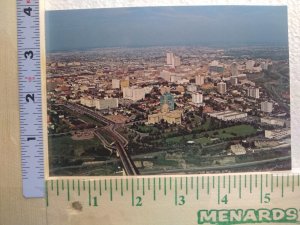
168	90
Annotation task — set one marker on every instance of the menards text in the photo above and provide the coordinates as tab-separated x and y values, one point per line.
247	216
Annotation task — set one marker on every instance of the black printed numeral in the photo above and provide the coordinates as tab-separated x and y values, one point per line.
27	11
29	97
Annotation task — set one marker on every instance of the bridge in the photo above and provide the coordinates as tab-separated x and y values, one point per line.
110	129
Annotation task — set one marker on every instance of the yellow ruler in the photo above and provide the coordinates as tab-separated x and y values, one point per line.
181	200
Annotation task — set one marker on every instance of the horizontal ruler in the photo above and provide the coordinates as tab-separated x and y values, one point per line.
30	98
176	200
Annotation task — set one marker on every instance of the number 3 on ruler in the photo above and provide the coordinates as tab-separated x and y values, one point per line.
181	200
28	53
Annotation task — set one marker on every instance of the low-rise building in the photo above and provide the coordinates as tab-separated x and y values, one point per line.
173	117
277	134
133	94
192	88
238	149
273	121
108	103
228	115
87	101
266	144
266	107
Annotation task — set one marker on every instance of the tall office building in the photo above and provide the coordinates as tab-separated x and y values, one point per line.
167	98
115	83
176	61
234	80
133	94
253	92
197	98
221	87
199	79
108	103
170	56
173	60
124	83
250	65
266	107
234	69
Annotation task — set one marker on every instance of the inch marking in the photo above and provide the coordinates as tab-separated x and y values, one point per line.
165	186
30	83
218	190
175	190
143	186
207	185
197	191
154	189
181	196
110	190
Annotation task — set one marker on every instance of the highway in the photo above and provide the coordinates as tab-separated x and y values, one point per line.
110	129
220	168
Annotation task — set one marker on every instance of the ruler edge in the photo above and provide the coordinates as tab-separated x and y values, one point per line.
42	135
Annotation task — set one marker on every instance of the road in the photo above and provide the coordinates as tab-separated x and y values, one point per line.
110	129
226	167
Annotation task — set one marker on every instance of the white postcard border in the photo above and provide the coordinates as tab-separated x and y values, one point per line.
293	32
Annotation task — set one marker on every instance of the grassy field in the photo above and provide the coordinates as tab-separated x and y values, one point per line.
63	149
240	130
147	129
234	131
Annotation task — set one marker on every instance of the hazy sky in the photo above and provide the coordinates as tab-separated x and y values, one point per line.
134	27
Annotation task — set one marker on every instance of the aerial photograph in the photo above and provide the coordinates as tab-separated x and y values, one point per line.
168	90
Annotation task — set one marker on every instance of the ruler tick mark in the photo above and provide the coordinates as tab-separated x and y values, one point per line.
197	185
78	187
121	187
143	186
186	185
57	188
68	190
208	185
240	186
175	190
261	188
110	190
218	190
165	186
154	189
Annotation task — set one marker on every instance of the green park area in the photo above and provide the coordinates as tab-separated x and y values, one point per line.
238	131
145	129
64	151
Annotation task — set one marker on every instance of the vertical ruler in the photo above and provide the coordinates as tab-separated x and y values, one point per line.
30	98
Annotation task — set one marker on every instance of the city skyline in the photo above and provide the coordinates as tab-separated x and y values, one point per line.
168	90
222	26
